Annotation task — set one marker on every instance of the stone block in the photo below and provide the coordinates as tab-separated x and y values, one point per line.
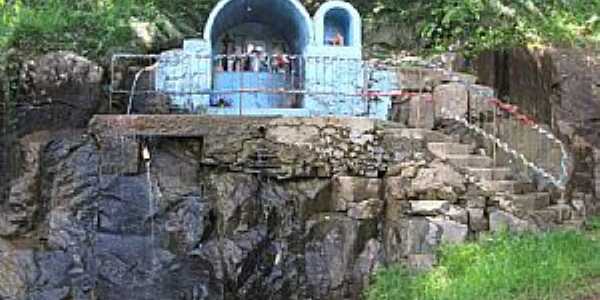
394	210
500	221
422	79
429	208
365	210
477	220
439	182
348	189
421	112
420	236
417	79
396	188
450	100
564	211
531	201
458	214
479	97
293	135
451	232
476	201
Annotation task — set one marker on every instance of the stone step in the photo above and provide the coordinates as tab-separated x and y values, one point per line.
491	173
531	201
470	161
444	149
508	186
423	134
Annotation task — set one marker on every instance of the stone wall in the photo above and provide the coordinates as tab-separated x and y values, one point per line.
192	207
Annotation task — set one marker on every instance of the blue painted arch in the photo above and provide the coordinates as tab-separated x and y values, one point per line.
341	16
288	18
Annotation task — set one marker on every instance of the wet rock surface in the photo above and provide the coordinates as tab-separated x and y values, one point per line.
189	207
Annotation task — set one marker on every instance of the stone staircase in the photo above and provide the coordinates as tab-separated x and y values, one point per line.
493	178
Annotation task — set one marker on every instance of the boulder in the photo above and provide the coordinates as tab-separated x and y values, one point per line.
61	90
451	100
330	250
477	220
438	182
500	221
17	268
429	208
451	232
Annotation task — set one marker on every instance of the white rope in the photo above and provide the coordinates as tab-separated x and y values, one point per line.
559	182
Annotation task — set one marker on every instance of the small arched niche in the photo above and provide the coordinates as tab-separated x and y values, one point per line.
338	20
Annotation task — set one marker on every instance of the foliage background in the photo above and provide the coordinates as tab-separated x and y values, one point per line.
96	27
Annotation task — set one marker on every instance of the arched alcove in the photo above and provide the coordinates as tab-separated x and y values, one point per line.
338	17
278	27
287	20
336	21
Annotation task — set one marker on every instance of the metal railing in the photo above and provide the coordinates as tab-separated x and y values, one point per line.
511	135
278	75
516	138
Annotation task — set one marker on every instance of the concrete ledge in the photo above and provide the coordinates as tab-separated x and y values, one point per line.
203	125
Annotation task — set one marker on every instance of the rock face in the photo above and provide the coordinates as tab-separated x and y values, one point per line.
56	91
60	90
190	207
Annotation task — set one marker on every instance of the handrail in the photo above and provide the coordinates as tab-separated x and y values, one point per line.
369	93
559	182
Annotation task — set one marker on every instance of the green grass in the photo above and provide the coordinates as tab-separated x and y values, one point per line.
556	265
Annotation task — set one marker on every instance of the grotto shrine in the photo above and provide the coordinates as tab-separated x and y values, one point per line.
269	57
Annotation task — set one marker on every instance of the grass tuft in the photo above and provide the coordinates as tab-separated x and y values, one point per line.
545	266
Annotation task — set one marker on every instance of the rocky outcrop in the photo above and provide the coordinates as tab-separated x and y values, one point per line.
53	92
275	209
188	207
60	90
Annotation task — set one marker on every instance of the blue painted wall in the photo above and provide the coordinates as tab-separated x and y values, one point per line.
333	76
231	81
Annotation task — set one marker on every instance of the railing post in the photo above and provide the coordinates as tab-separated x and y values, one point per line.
495	130
242	92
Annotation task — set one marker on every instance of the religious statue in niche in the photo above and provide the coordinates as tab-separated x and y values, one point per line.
337	39
226	50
